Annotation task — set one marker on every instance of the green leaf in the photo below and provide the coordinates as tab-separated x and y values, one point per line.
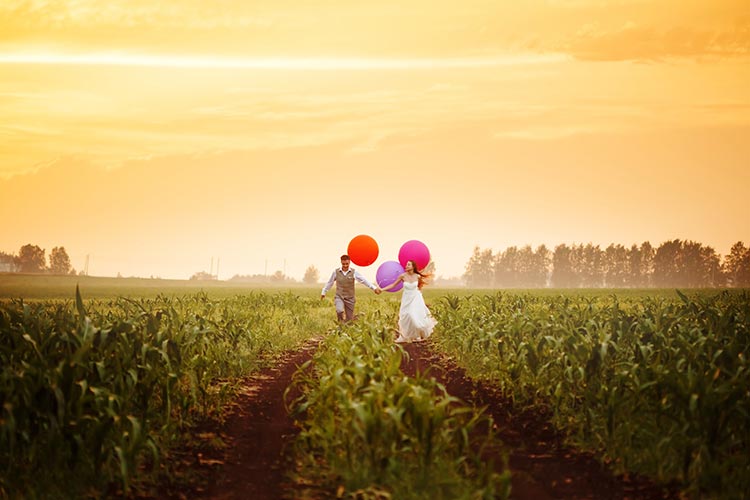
79	303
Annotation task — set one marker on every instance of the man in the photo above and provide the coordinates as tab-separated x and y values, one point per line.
344	278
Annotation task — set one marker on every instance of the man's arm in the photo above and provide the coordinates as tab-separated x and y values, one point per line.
329	284
364	281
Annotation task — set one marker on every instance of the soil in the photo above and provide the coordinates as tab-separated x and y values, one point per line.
256	435
258	432
542	466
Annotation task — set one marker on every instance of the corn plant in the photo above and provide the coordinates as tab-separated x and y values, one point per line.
653	385
92	395
369	431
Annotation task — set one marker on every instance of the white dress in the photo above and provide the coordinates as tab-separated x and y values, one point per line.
415	321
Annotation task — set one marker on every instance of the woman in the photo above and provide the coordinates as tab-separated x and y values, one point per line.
415	323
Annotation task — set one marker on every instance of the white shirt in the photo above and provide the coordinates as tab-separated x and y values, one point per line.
357	277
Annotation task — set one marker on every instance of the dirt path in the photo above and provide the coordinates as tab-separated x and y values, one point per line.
256	458
542	466
257	433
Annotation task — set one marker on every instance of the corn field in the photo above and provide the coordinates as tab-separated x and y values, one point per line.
95	394
369	431
651	385
92	396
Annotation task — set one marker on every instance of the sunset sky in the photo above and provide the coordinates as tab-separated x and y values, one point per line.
153	136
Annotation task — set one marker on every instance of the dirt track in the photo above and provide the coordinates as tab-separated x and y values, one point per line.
258	433
542	466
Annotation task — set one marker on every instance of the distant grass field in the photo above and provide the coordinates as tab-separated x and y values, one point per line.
46	287
43	287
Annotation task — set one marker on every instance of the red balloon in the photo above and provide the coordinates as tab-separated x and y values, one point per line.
363	250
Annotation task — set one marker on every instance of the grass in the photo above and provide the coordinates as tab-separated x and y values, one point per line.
46	287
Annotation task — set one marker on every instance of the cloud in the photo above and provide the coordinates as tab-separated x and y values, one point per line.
421	32
649	43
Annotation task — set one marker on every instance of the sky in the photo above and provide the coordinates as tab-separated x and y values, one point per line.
153	137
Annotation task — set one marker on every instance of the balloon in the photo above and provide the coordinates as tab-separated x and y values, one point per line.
363	250
387	273
414	250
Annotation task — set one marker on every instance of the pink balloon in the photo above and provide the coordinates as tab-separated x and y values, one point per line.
414	250
387	273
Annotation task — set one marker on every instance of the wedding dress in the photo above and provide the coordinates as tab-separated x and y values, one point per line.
415	321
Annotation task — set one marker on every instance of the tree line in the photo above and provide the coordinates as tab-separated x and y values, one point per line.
32	259
311	277
674	263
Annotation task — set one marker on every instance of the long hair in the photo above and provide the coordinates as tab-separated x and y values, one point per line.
424	277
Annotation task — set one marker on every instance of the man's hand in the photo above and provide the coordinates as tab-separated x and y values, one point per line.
378	291
322	297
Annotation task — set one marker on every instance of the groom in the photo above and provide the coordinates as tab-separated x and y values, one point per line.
344	278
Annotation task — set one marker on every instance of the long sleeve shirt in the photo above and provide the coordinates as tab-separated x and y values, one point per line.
357	276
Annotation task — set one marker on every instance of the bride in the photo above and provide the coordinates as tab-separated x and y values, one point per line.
415	323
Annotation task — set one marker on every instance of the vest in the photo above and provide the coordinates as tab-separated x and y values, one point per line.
345	284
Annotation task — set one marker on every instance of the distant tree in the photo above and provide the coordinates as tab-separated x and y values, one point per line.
616	266
640	263
666	264
737	265
710	271
562	267
311	275
277	277
647	264
506	268
201	276
690	265
521	268
59	262
8	262
479	269
587	263
540	268
250	278
686	264
635	267
31	259
524	267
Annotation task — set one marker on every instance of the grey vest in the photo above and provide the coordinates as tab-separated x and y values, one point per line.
345	284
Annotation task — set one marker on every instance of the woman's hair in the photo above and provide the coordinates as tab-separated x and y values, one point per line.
424	278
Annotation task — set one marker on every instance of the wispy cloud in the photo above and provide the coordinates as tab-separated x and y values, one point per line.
650	43
392	33
301	64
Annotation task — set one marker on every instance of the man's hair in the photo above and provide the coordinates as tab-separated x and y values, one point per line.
345	257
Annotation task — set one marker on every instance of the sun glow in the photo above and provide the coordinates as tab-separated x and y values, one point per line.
274	63
269	132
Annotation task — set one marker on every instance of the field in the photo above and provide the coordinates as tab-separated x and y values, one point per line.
108	388
43	287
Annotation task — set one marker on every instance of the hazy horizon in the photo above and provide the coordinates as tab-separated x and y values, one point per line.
155	137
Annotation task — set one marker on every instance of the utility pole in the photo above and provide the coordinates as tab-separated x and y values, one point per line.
218	261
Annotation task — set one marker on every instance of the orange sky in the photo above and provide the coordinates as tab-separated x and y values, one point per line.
155	135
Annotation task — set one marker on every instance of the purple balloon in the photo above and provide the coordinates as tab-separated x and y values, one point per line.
387	273
414	250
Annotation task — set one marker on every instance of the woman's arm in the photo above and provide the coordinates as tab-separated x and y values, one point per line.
386	288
